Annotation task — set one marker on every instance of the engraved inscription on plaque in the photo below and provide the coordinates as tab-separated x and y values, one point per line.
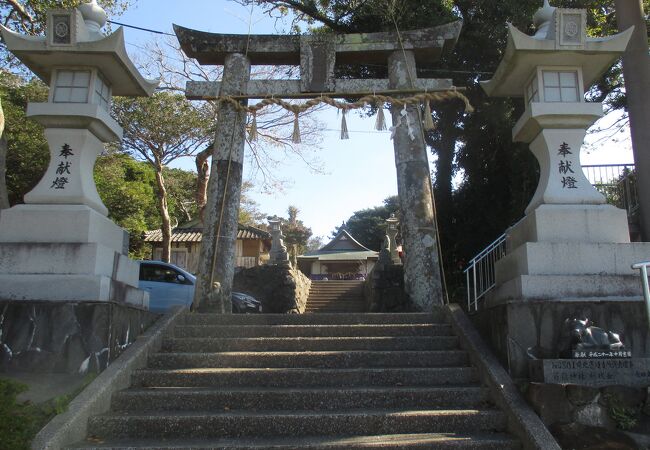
593	372
572	28
61	28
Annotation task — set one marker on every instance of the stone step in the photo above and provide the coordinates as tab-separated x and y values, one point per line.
305	377
440	441
293	423
343	299
188	331
336	359
438	316
194	345
336	289
324	399
335	309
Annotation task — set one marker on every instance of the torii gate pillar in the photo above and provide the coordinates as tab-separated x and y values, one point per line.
317	57
221	212
420	241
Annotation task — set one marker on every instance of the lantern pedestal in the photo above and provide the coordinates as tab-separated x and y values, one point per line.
66	253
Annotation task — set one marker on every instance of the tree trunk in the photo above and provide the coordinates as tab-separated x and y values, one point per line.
165	226
203	176
4	194
636	69
446	150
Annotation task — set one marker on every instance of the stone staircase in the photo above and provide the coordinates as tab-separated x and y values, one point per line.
336	297
315	381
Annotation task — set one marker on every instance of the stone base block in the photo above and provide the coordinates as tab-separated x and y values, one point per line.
566	258
571	223
567	288
61	224
68	259
70	288
517	330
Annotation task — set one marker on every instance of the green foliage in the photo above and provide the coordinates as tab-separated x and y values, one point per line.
623	416
27	150
159	130
16	422
368	226
21	421
126	187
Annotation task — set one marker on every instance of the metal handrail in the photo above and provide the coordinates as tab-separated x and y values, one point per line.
643	268
480	275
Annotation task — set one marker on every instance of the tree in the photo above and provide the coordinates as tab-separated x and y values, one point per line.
159	130
266	155
368	226
126	187
26	153
636	65
498	176
296	233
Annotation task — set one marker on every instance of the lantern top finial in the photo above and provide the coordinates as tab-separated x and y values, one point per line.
543	19
94	16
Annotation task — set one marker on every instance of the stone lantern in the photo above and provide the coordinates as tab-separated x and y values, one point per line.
60	245
391	231
571	248
278	254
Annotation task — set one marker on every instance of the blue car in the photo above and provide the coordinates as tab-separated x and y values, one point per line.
169	285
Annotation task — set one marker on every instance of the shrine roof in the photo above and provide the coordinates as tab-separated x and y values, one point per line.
428	45
342	247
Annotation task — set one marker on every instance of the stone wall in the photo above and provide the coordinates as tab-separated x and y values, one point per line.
280	289
579	414
514	328
384	289
67	337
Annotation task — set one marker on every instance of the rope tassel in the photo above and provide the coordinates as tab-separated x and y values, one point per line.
344	126
295	137
380	123
428	117
252	133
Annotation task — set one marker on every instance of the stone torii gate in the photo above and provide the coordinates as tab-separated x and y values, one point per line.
317	57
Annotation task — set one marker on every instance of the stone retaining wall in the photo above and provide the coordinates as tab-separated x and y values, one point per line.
67	337
280	289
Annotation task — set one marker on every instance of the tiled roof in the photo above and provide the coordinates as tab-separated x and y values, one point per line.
196	234
341	256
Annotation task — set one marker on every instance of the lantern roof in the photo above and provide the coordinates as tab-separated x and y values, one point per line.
561	41
87	47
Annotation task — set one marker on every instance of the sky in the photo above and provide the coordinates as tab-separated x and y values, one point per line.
357	173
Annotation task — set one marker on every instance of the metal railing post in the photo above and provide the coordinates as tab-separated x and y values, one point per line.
643	267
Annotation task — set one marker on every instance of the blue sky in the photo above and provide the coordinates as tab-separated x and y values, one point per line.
358	173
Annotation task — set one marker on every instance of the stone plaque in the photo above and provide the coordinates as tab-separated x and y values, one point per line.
633	372
572	27
601	354
61	28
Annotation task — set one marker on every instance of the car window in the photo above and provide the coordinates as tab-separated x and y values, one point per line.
161	274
